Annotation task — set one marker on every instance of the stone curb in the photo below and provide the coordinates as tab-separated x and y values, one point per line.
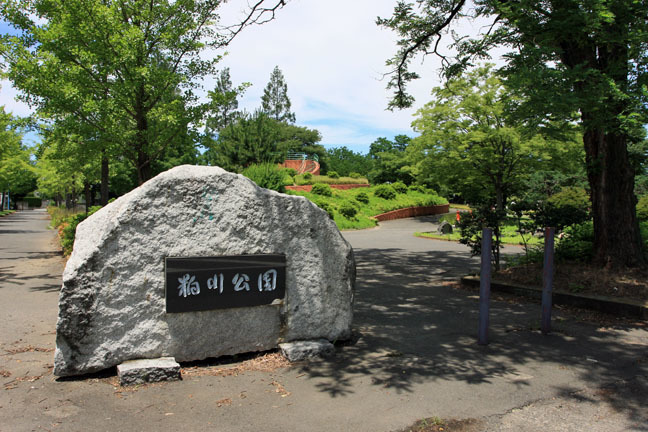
307	350
624	307
133	372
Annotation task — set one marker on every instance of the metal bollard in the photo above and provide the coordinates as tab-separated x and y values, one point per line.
484	286
547	280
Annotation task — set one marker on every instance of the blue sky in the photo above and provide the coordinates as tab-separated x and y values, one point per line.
333	58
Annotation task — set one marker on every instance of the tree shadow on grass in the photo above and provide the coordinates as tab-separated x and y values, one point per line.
413	328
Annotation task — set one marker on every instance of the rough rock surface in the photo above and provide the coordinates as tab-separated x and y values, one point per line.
142	371
112	304
445	228
307	350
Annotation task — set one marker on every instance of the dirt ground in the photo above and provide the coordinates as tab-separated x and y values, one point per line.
581	278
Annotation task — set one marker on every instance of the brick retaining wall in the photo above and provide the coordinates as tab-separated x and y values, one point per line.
413	211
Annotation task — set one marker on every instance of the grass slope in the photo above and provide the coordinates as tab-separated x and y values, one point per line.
366	211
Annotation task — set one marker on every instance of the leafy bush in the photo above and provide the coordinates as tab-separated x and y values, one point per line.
348	210
568	207
471	226
417	188
642	208
69	226
577	243
333	174
399	187
290	171
355	175
322	189
288	180
328	208
308	176
266	175
385	191
362	197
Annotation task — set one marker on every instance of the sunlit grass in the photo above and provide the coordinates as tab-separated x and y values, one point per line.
366	211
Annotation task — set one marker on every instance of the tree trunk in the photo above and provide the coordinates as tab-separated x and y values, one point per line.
617	240
86	195
143	167
105	178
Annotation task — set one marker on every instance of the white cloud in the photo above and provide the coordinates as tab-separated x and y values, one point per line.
332	55
8	100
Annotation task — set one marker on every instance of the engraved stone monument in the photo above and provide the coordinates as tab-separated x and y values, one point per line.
196	263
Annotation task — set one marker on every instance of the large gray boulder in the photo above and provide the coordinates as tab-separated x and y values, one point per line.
112	303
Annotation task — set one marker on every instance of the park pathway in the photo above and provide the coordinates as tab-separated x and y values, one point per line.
30	267
414	356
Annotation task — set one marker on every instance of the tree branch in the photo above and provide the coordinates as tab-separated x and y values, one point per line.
257	15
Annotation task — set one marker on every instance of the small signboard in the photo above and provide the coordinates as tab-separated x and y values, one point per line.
206	283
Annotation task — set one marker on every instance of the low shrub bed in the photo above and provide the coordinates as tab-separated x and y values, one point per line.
65	222
305	179
356	208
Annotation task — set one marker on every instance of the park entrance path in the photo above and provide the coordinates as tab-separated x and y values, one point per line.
414	356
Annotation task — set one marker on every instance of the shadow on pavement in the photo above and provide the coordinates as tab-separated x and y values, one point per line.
414	328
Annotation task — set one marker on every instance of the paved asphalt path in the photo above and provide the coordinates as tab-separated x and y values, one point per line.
414	356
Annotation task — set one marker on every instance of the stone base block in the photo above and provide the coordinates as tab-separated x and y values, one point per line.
148	370
307	350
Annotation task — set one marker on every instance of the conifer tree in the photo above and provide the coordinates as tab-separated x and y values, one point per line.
275	102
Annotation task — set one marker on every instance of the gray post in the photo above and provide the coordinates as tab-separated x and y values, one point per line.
547	279
484	286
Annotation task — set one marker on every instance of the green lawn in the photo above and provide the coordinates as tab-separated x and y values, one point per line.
510	236
375	206
6	212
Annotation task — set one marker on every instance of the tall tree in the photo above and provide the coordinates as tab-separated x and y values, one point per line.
275	102
250	139
389	161
469	144
586	56
223	103
345	161
126	68
17	176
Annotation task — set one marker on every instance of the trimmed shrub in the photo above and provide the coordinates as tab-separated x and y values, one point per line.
291	171
400	187
355	175
348	210
568	207
642	208
288	180
308	176
577	243
417	188
333	174
69	226
322	189
385	192
266	175
328	208
362	197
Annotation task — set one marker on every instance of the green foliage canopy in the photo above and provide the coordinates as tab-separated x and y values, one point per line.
586	57
123	69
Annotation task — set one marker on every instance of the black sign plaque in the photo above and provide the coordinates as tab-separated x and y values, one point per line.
222	282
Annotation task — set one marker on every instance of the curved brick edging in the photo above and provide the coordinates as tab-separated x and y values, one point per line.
413	212
625	307
308	188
